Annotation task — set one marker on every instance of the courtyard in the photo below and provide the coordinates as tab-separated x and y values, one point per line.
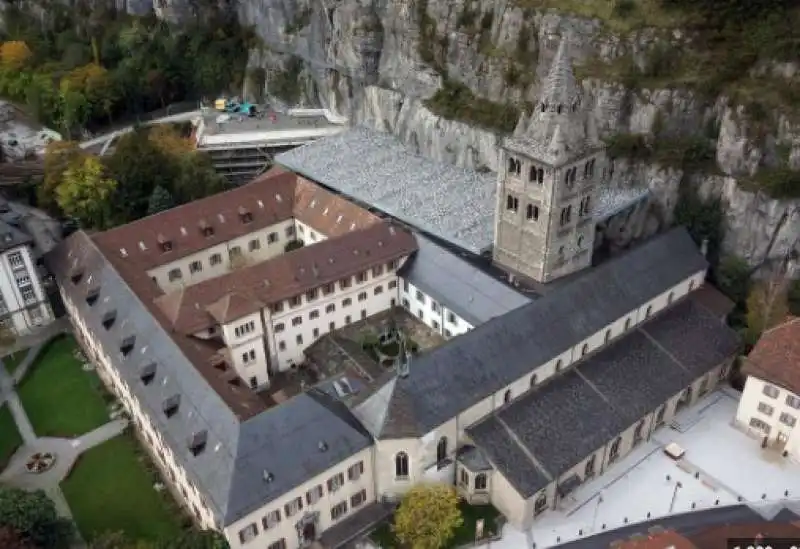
13	360
111	488
59	396
644	485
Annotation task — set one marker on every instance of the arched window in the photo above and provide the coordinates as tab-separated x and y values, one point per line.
588	471
507	396
533	380
401	465
628	323
480	481
544	107
540	176
660	415
558	109
670	297
532	212
584	349
441	450
638	434
608	336
648	311
614	453
558	365
580	240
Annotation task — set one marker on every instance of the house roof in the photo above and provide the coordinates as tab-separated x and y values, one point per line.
464	289
715	301
719	537
558	424
11	237
776	356
247	290
663	540
240	435
506	348
374	168
276	196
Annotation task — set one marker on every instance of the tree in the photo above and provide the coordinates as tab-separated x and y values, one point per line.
10	539
767	306
118	540
167	139
85	192
33	515
15	55
197	539
58	156
428	516
732	276
160	200
196	178
93	83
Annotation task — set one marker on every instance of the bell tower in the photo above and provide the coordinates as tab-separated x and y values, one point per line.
549	171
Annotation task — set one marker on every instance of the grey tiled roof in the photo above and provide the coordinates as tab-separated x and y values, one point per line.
504	349
374	168
11	237
473	459
464	289
561	422
229	472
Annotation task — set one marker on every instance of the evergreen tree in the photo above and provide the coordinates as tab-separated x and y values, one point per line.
160	200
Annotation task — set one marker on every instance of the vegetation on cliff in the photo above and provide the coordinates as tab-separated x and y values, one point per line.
78	67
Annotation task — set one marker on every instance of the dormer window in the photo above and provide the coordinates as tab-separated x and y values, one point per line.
198	442
108	319
514	166
127	345
206	229
166	245
76	277
171	405
91	297
245	216
148	373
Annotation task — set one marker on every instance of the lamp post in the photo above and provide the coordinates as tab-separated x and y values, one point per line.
674	496
596	510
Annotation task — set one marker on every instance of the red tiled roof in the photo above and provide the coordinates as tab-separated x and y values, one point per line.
776	356
664	540
718	537
241	292
711	298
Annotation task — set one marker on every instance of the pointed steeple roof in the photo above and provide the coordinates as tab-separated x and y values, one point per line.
560	88
558	147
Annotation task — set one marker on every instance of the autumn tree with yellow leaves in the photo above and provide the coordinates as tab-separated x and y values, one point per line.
85	192
15	55
428	517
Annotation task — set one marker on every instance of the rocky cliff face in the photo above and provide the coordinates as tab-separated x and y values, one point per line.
376	61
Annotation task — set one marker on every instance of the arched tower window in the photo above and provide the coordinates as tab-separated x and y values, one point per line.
401	465
532	212
540	175
507	397
480	481
532	173
608	336
441	450
544	107
533	380
558	365
514	166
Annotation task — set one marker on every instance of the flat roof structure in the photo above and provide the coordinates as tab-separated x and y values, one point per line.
454	204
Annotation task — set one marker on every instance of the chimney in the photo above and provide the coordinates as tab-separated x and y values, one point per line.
704	247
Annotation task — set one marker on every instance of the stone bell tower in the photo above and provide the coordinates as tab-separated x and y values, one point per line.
549	171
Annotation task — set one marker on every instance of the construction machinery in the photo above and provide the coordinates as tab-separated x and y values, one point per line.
235	106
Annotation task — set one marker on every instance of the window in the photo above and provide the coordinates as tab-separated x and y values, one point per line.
331	326
279	327
532	212
171	405
15	260
533	381
315	333
378	290
299	339
344	283
512	203
628	322
295	301
566	215
271	519
290	230
638	434
313	314
765	408
335	482
760	425
293	507
514	166
361	277
354	472
311	295
314	495
507	397
235	251
420	297
327	289
362	296
281	345
793	402
174	274
272	238
451	318
584	349
691	285
670	298
648	311
787	419
215	259
249	356
338	510
434	306
480	481
614	453
363	314
248	533
401	466
584	208
297	321
559	365
435	325
358	499
28	295
347	302
392	284
253	382
536	176
441	450
540	505
377	271
280	544
588	471
347	319
607	337
770	390
660	415
195	267
330	308
254	245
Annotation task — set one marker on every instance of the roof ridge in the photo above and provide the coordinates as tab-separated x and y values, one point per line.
530	455
785	323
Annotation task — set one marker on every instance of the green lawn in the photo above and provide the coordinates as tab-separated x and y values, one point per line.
10	439
110	490
384	536
59	397
12	361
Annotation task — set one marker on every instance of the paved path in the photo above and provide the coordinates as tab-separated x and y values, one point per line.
66	451
38	336
101	139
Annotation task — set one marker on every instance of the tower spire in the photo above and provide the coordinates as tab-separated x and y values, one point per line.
559	88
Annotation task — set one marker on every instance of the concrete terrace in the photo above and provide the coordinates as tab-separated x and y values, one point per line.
641	486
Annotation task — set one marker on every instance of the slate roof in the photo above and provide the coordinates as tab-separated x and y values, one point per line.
506	348
469	292
473	459
776	356
567	418
374	168
11	237
240	435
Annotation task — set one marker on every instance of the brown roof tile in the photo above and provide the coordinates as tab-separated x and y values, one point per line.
709	297
663	540
718	537
776	356
285	276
